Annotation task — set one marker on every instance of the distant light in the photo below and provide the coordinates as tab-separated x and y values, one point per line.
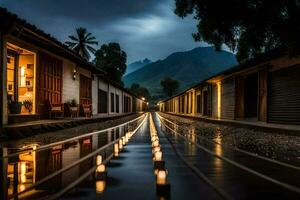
158	156
155	149
116	149
101	168
143	98
155	143
100	187
121	144
161	178
99	160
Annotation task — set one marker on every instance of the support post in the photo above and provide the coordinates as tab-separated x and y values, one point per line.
3	169
3	80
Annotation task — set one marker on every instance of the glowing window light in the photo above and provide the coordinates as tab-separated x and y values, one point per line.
219	99
23	172
100	186
161	177
22	72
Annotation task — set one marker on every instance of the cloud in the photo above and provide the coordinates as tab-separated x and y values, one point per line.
144	28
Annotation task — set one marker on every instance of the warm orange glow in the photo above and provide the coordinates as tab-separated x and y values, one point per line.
120	144
100	186
123	141
219	99
101	168
158	156
154	137
155	149
116	149
155	143
161	177
23	172
99	160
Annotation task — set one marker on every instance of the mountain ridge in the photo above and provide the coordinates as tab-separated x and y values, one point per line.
188	67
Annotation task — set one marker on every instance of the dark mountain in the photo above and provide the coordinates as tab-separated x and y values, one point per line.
137	65
188	68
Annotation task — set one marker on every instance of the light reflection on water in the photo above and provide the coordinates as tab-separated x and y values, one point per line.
28	167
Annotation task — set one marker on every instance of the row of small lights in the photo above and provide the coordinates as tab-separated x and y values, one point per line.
162	185
101	173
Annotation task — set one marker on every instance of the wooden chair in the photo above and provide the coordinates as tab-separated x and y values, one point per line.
56	109
86	110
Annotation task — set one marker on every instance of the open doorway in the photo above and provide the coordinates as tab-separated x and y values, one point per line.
20	80
251	95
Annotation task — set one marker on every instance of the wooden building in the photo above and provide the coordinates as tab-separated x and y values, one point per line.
39	76
264	89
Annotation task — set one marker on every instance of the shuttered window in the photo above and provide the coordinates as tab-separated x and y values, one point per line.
102	101
117	103
112	102
284	96
50	84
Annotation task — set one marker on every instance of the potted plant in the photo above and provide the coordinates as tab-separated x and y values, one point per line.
15	107
28	105
72	107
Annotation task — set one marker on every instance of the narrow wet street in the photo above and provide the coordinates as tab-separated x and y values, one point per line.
118	163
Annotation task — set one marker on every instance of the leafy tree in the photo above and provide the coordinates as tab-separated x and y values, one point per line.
112	59
247	27
82	43
140	91
169	86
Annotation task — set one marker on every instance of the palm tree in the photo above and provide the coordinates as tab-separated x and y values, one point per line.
82	43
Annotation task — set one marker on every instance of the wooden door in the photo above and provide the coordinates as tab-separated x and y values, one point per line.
85	90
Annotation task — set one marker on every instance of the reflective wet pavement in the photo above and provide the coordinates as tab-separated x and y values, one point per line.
28	165
284	147
131	174
236	181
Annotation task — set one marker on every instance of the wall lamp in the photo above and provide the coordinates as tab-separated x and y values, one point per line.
74	74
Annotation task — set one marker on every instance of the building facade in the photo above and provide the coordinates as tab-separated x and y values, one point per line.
39	75
265	89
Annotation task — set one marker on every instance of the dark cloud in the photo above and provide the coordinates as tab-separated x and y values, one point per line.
144	28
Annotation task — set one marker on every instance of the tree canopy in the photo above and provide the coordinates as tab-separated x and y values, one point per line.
111	59
169	86
82	43
140	91
247	27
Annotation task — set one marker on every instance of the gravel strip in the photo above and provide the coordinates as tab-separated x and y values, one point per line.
274	145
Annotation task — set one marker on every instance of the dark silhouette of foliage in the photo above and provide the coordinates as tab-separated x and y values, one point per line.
82	43
169	86
111	59
248	27
140	91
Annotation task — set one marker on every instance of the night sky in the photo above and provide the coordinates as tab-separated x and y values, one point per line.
144	28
